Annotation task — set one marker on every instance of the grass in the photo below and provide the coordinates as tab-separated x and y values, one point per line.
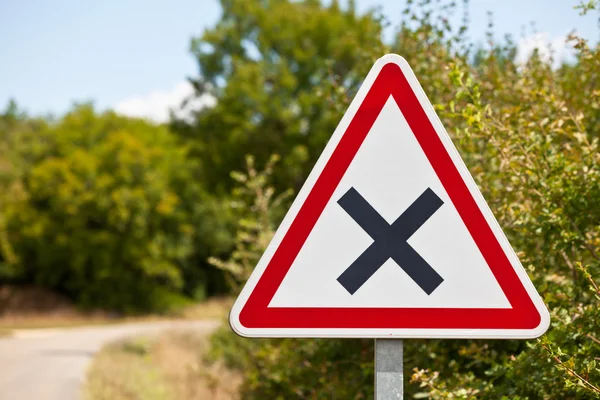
167	367
213	308
67	317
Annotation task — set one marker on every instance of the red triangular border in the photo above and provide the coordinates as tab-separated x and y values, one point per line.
256	313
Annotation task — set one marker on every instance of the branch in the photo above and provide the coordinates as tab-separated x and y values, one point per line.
589	335
584	381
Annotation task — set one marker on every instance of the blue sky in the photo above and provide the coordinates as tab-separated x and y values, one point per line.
132	55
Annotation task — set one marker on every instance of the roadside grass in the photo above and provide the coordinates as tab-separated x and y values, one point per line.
213	308
65	316
170	366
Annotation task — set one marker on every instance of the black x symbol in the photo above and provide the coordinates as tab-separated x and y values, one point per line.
390	241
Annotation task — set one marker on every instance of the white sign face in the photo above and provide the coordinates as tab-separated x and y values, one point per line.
389	236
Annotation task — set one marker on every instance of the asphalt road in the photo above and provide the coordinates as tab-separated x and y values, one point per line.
50	364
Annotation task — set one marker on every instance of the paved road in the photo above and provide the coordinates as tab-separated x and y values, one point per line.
50	364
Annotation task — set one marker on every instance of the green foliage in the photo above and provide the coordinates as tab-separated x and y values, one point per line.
282	369
256	207
109	212
277	68
298	368
529	135
11	121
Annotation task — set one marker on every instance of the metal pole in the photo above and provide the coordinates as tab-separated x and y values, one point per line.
388	369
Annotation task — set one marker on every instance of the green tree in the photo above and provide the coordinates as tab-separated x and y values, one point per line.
275	67
111	213
14	126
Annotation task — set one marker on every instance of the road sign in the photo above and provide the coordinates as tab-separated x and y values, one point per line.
389	237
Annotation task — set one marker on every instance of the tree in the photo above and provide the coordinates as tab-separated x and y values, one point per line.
274	68
14	127
111	213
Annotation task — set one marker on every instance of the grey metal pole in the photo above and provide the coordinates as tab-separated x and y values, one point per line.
389	381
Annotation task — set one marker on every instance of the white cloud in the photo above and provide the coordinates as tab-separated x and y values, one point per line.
157	104
550	49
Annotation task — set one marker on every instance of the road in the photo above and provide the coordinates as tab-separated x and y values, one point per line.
50	364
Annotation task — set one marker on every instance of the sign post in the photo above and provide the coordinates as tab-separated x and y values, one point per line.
389	380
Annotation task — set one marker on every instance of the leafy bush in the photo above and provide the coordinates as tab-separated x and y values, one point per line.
109	212
282	369
529	135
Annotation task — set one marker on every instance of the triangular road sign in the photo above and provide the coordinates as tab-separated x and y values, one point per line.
389	236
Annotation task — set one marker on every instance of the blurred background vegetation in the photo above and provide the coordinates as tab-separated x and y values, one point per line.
120	214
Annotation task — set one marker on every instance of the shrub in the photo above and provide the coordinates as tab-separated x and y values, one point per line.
529	135
109	213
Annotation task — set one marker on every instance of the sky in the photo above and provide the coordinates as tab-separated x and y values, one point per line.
133	55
